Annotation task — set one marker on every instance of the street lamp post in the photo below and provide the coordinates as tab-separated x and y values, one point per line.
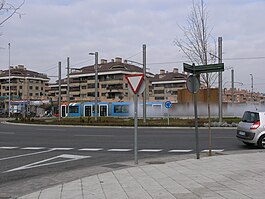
9	95
251	85
96	84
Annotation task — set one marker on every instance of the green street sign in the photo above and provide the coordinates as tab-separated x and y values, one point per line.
211	68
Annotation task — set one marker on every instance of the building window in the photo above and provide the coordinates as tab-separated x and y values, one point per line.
30	87
83	87
37	88
159	98
30	94
159	91
20	87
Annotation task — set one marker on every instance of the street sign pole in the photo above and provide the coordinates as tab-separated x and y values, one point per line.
196	116
135	97
196	125
136	86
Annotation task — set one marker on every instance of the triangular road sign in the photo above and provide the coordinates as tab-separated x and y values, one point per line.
135	81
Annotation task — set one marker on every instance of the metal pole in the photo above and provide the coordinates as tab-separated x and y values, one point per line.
144	94
196	125
251	86
135	129
220	79
9	95
59	79
68	85
96	86
232	87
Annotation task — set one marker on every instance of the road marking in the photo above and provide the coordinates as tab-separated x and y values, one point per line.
24	155
67	157
150	150
119	150
213	150
91	149
33	148
61	149
8	147
179	151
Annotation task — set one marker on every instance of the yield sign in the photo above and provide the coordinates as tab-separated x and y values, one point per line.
135	81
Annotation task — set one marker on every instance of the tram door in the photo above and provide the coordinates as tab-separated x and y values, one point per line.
63	111
103	110
88	110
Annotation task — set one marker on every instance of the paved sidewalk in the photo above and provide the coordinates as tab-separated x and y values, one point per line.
223	176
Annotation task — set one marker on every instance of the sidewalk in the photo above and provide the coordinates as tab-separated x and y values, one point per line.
223	176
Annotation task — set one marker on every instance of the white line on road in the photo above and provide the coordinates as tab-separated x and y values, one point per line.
61	149
213	150
179	151
24	155
8	147
33	148
91	149
150	150
119	150
46	162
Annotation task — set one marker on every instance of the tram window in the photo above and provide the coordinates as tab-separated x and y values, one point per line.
121	108
73	109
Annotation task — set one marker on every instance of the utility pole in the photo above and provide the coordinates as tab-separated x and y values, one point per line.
251	86
96	84
220	80
144	94
59	79
68	85
232	87
9	95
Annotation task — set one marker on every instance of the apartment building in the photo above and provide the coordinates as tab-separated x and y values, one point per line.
242	96
165	85
112	84
24	85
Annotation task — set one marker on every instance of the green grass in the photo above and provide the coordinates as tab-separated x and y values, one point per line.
121	121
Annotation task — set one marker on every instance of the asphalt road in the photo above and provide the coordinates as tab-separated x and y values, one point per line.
28	154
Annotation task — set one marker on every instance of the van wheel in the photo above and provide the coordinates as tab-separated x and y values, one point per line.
261	142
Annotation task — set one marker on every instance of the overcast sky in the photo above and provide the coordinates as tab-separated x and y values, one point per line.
51	30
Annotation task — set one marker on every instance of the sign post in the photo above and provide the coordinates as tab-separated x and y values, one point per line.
193	86
168	105
136	87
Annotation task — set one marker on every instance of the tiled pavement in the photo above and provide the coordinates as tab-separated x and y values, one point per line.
222	176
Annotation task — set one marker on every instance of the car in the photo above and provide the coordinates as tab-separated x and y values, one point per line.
251	129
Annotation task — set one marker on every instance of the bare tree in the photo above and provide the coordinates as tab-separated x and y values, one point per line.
7	10
196	45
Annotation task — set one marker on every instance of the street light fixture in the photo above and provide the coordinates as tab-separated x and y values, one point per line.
96	84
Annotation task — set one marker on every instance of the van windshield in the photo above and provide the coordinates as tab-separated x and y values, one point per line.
250	117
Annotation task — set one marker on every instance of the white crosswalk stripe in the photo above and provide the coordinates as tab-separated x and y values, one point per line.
8	147
61	149
119	150
150	150
91	149
213	150
33	148
179	151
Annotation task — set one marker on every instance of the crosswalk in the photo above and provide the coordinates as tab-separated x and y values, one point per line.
106	150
